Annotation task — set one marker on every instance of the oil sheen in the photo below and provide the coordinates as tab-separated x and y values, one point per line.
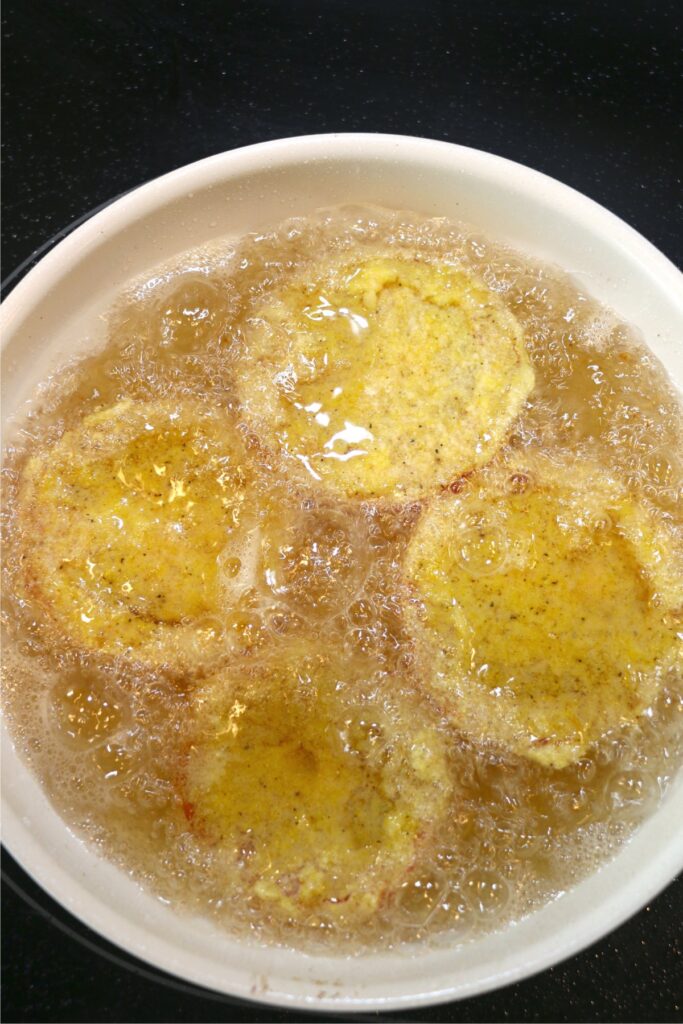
302	658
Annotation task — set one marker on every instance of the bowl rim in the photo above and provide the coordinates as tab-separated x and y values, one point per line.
152	948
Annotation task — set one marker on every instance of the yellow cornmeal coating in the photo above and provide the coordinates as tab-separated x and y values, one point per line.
324	799
550	602
385	378
123	521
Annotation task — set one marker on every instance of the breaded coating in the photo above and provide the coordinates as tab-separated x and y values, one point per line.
549	606
126	517
383	379
320	796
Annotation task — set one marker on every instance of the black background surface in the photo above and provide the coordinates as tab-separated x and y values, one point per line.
101	96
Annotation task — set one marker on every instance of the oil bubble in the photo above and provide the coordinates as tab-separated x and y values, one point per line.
83	713
313	564
190	314
206	639
283	622
662	470
112	760
418	898
245	631
238	563
451	912
361	612
486	892
518	483
363	733
630	794
481	550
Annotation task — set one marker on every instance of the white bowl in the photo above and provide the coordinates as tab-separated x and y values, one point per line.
56	307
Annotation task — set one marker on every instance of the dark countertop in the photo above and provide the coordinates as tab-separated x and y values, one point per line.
100	97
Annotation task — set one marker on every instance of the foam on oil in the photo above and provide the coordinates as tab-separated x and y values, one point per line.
108	736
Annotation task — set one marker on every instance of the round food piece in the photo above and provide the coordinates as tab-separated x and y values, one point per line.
549	606
384	379
124	519
318	798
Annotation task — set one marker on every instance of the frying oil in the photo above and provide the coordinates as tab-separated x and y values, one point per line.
107	737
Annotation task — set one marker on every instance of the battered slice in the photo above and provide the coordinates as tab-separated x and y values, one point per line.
123	521
549	607
385	378
317	798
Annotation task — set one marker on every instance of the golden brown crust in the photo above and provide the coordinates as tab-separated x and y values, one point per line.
326	792
545	606
122	522
384	379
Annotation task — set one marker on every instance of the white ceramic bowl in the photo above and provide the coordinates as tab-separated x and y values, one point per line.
56	307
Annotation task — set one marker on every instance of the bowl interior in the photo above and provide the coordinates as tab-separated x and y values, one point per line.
55	313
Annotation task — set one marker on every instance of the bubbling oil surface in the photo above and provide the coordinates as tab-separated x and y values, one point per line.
106	735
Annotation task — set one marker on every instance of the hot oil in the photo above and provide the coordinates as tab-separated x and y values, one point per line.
107	736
